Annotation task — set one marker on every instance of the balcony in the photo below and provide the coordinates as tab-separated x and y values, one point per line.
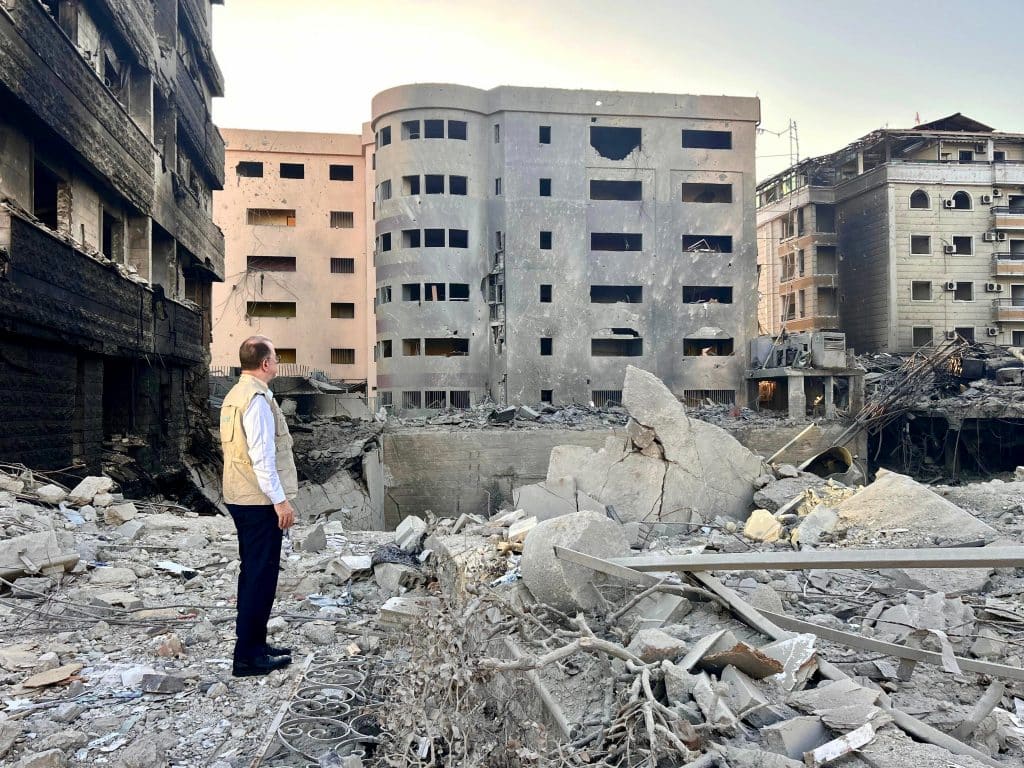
198	129
1007	264
1009	310
1008	216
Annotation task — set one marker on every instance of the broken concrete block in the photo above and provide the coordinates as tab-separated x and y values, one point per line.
85	491
11	484
507	516
779	493
162	684
655	645
131	530
116	599
120	513
586	504
520	528
113	577
680	684
51	758
539	501
410	532
841	704
641	436
821	520
564	585
989	645
9	733
315	540
393	577
762	526
744	658
786	470
103	499
502	415
747	701
343	568
402	611
51	494
795	736
34	552
799	660
527	414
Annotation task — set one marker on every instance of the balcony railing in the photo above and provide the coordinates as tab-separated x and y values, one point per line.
1009	310
1008	210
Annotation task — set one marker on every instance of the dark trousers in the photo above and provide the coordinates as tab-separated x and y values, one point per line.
259	549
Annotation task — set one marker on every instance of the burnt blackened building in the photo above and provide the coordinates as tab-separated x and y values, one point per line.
108	158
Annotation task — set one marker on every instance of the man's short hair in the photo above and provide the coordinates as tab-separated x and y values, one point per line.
253	352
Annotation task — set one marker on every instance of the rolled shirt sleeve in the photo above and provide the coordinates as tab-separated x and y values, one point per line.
258	421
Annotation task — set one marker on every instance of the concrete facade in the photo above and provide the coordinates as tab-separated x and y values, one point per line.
923	239
294	216
532	242
108	159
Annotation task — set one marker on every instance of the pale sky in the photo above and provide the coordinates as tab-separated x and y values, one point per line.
837	68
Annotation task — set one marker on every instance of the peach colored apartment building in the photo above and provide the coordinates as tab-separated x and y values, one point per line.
297	269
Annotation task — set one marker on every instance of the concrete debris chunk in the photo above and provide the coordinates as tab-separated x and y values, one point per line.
131	530
747	701
820	521
779	493
988	645
799	660
502	415
840	747
113	577
526	413
518	531
795	736
395	578
656	645
31	553
11	484
10	731
120	513
88	489
315	540
508	516
162	684
51	758
402	611
51	494
786	471
538	500
51	676
762	526
563	585
410	532
343	568
744	658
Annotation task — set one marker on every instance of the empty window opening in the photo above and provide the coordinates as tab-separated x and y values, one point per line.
707	347
342	220
919	199
713	243
270	263
385	241
613	294
249	169
920	244
999	156
962	201
545	293
827	301
707	140
340	172
45	191
616	241
112	237
384	190
965	156
606	398
457	130
614	143
433	184
545	188
287	355
270	309
270	217
546	346
411	348
384	136
434	291
963	244
707	193
544	134
386	348
343	357
410	185
921	290
344	310
433	238
824	218
411	400
964	291
828	263
545	240
616	347
457	185
694	398
386	398
707	294
293	171
966	333
609	189
497	186
547	395
922	336
497	133
433	129
458	291
435	399
410	129
446	347
384	294
1017	338
410	238
410	292
458	238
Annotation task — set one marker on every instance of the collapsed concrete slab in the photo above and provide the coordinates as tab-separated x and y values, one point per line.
698	468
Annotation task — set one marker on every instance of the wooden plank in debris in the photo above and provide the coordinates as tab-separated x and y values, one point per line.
892	649
933	557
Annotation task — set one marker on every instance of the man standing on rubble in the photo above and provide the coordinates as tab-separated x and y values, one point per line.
259	481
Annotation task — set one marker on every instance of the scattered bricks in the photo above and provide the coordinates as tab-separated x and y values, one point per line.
527	414
410	533
655	645
315	540
502	415
989	645
120	513
51	758
86	491
795	736
747	701
520	528
131	530
762	526
51	494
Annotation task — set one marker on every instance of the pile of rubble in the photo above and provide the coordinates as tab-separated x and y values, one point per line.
488	416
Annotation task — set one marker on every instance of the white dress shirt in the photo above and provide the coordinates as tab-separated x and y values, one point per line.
260	431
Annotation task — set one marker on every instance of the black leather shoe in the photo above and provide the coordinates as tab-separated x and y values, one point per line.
273	650
261	665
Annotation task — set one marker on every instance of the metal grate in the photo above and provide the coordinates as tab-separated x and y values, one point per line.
342	220
411	400
436	399
605	397
697	397
386	398
343	357
459	398
343	266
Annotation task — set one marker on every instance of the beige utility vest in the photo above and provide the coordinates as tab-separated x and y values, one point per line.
240	484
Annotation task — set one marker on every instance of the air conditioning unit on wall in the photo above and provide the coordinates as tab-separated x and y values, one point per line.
949	249
986	199
950	335
992	331
1002	237
993	287
996	192
989	237
949	285
948	204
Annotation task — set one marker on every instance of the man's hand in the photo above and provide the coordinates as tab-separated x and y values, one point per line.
285	515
